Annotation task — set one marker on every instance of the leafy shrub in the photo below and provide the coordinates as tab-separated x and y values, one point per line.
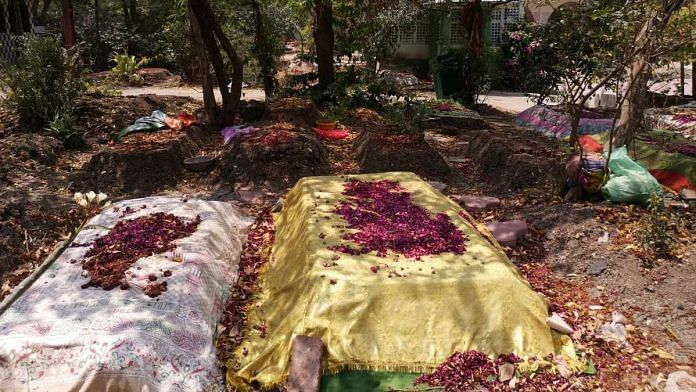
659	233
126	68
44	83
350	89
530	66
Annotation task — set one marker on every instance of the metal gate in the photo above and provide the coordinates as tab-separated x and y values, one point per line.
16	22
503	18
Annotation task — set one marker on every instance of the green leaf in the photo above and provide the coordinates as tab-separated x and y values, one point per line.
590	370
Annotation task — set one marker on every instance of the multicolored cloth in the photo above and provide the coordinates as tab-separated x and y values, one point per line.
551	121
679	119
673	169
59	337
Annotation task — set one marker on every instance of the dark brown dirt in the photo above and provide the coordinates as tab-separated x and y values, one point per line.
297	110
278	155
30	211
143	163
385	152
513	161
102	117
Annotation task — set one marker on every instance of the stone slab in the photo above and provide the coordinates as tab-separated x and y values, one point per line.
477	203
507	233
305	364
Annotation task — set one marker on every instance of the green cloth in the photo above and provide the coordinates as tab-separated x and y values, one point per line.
151	123
363	381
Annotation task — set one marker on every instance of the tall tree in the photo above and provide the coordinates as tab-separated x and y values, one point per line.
69	39
198	44
648	47
322	14
216	42
130	13
264	49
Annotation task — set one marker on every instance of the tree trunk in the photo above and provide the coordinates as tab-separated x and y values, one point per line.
639	71
126	14
324	41
574	112
97	27
69	39
133	12
209	102
212	33
632	108
264	51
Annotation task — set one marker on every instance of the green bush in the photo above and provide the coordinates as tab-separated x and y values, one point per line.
659	232
44	82
126	68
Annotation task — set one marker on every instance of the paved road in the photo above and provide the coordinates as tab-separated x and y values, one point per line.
507	101
188	91
513	102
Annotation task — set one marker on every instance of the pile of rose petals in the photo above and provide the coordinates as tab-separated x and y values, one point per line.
384	218
113	254
255	254
473	370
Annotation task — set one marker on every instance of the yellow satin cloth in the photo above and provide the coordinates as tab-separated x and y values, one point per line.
446	303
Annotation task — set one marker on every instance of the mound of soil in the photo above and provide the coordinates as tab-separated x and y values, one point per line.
454	125
251	110
383	152
279	155
142	163
297	110
102	117
31	209
514	162
153	76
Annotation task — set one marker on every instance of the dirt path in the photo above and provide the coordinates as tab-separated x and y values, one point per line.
194	92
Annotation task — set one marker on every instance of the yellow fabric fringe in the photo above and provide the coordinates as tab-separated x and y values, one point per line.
446	303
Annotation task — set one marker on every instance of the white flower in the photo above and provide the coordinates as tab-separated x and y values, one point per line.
78	196
90	196
108	203
83	202
101	197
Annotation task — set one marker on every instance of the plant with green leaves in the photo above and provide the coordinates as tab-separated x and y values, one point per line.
584	48
66	127
126	68
44	82
659	233
529	66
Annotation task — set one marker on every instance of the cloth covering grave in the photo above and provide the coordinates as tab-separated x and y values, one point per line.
551	121
680	119
429	308
58	336
672	167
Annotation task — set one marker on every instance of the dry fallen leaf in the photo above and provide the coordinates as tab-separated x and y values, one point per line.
664	354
